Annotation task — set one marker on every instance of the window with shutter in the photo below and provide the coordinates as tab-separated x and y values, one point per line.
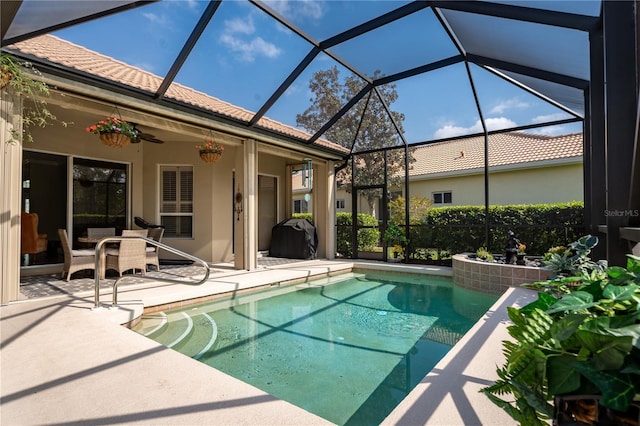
176	203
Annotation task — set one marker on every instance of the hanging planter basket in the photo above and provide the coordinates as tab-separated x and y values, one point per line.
115	140
113	131
210	156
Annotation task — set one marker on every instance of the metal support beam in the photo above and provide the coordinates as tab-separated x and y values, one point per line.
595	187
621	88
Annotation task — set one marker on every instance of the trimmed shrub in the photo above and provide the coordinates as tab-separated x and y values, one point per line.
307	216
368	238
462	228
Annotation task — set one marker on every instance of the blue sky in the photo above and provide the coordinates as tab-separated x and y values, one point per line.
244	55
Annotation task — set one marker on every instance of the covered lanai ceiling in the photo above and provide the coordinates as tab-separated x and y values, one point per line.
512	65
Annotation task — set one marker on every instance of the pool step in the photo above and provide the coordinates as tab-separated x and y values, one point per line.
178	332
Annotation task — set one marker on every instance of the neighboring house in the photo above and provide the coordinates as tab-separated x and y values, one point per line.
301	193
523	169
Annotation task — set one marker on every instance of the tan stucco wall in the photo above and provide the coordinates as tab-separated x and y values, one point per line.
213	197
530	186
553	184
271	165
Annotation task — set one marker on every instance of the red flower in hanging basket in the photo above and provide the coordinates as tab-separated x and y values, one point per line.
210	145
114	125
210	150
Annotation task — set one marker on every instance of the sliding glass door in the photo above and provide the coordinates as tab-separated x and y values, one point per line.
44	192
99	195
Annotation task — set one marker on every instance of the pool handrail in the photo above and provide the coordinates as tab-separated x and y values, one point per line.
157	244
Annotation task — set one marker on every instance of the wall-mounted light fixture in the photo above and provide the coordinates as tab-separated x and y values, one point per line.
238	208
307	174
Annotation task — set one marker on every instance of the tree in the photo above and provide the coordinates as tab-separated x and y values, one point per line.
418	210
375	131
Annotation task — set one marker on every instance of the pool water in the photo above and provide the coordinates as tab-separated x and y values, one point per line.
348	349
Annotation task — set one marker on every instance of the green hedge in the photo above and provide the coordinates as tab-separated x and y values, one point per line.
307	216
462	229
367	237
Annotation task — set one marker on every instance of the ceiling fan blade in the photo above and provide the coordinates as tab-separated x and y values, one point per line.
145	136
150	138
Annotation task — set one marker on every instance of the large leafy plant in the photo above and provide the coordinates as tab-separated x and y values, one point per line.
585	341
574	260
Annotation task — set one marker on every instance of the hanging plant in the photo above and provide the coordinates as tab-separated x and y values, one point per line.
17	79
114	131
210	151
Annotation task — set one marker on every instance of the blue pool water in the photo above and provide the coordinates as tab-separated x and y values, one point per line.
348	349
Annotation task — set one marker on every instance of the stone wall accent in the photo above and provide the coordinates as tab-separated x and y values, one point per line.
493	278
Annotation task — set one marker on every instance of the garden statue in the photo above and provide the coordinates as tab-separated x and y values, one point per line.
511	248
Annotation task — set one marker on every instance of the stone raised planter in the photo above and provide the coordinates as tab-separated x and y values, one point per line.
493	278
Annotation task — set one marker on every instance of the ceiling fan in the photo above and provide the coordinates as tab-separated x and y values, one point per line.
142	136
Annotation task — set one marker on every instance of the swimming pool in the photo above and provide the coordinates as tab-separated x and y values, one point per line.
346	348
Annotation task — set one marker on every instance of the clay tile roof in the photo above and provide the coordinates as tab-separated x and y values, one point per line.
505	149
71	55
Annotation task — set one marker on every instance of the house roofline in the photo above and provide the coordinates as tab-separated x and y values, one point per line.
67	85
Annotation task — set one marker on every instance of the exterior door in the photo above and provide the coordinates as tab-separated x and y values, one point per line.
44	191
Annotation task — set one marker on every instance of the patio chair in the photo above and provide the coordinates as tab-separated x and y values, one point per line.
31	242
131	254
152	251
75	260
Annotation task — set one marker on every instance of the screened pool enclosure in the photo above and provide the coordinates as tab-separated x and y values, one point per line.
411	73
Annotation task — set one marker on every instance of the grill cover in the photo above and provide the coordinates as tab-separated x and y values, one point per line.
294	239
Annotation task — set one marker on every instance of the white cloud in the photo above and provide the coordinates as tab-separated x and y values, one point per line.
549	131
156	19
192	4
449	131
240	26
303	8
548	117
508	104
292	90
144	66
247	48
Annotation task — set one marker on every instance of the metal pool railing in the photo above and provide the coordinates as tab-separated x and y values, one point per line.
159	245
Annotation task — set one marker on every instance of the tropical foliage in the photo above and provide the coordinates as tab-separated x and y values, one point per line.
574	260
583	339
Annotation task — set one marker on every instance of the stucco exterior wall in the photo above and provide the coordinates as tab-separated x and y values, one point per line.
551	184
212	198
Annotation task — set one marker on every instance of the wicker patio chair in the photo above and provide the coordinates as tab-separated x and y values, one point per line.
152	251
75	260
131	254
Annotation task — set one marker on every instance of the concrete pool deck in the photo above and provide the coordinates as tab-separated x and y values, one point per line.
62	362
